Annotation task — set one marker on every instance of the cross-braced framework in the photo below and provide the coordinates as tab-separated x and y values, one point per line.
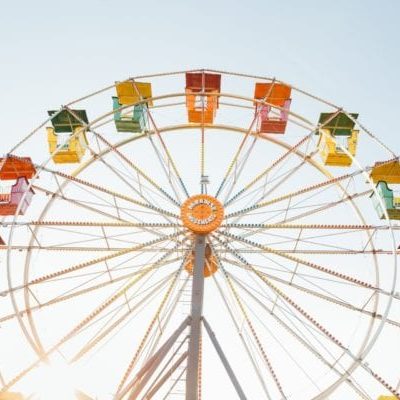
202	242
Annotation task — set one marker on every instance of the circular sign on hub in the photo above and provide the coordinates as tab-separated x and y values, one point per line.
202	214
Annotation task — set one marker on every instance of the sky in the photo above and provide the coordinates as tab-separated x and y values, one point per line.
346	51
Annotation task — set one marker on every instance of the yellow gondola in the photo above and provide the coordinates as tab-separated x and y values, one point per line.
67	135
71	147
131	92
386	171
335	133
331	153
383	173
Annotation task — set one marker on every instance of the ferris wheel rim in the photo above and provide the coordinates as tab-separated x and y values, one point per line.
214	126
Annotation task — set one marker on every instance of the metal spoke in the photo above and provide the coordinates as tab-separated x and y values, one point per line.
86	264
137	169
235	159
149	329
357	360
314	293
253	331
306	263
166	151
100	336
301	340
295	193
81	292
112	193
266	171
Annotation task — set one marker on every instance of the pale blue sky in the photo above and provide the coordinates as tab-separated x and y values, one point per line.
345	50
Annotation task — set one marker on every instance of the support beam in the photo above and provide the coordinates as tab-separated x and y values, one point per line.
142	377
167	375
224	361
192	374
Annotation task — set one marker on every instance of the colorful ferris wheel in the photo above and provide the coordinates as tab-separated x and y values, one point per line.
200	234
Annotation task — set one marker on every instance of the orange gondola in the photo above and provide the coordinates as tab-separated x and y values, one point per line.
18	169
202	108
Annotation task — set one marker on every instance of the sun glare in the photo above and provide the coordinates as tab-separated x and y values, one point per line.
54	380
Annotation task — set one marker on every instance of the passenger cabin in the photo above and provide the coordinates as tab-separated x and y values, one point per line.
19	170
335	133
13	167
382	174
272	117
11	196
210	265
132	92
130	121
202	108
67	136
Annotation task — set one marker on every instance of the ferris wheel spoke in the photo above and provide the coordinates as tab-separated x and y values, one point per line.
317	325
95	261
95	208
79	203
331	337
304	342
235	159
276	182
295	194
268	330
111	325
266	171
275	239
319	247
245	345
150	327
309	264
73	293
118	267
123	239
253	331
94	224
160	158
113	194
169	160
313	211
328	206
123	177
164	320
81	249
289	301
257	194
136	169
326	296
313	227
139	192
72	333
306	279
306	141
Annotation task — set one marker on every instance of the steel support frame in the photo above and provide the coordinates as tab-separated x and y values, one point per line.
192	373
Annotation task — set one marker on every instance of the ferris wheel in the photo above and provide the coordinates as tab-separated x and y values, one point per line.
200	234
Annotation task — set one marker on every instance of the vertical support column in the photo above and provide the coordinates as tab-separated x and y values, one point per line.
192	384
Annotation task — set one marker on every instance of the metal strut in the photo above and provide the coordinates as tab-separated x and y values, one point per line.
192	374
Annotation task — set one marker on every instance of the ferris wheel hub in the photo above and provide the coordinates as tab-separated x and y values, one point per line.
202	214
